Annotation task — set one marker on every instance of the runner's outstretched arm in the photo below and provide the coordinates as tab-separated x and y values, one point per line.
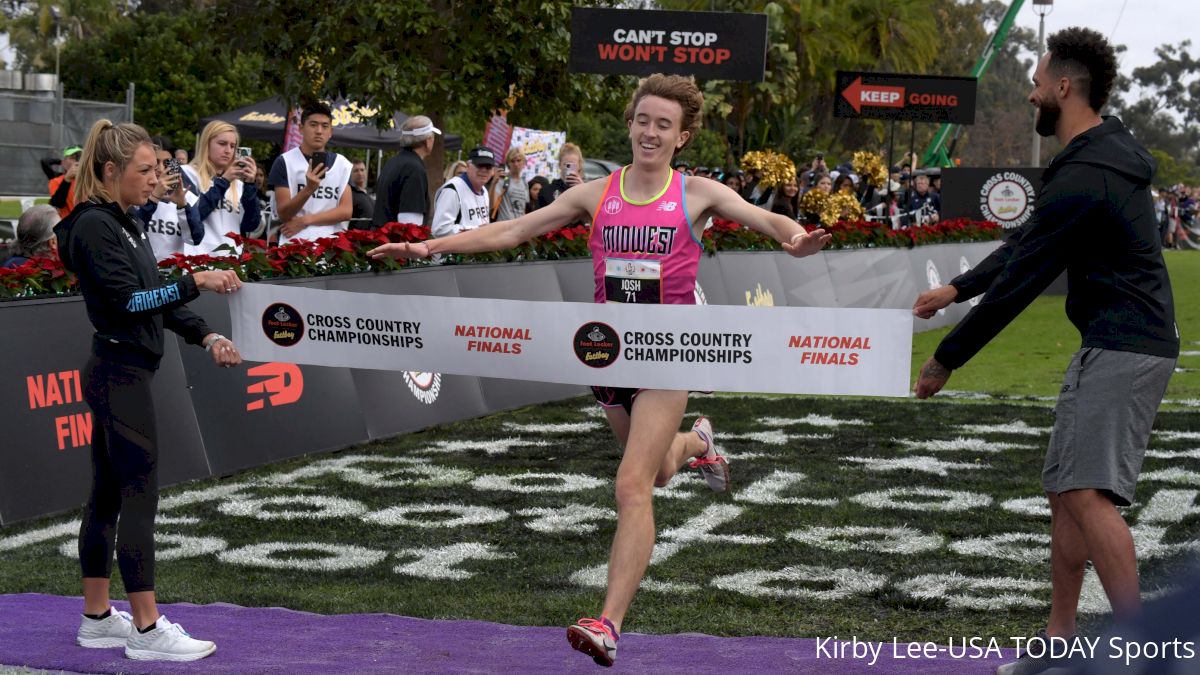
571	206
719	200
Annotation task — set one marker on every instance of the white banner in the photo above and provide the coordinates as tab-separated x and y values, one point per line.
789	350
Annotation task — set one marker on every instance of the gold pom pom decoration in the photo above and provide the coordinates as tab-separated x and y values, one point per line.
869	166
776	169
813	202
841	206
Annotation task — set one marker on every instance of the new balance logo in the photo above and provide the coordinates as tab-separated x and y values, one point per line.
667	206
284	384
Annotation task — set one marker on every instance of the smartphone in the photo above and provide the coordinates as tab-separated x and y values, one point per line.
317	159
172	169
570	167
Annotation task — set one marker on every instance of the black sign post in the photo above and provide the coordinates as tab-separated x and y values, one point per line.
707	45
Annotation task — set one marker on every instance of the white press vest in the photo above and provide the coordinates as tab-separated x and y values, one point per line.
326	198
473	209
168	229
226	218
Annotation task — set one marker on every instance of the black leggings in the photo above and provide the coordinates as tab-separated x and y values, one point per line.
124	475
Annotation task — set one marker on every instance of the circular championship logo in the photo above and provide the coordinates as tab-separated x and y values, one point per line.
424	386
282	324
597	345
964	266
1007	198
935	279
612	205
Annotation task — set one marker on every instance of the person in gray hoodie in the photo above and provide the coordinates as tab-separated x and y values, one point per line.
1094	218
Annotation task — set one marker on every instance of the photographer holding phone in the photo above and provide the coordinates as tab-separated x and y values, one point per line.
227	199
570	169
312	194
170	216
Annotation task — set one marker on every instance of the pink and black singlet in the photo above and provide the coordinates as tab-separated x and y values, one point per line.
642	252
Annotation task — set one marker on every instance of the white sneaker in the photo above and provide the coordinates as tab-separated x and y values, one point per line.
111	631
711	464
167	642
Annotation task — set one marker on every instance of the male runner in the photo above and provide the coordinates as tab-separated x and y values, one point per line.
651	216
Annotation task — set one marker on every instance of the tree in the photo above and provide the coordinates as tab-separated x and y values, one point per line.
33	27
181	66
1166	117
431	57
791	111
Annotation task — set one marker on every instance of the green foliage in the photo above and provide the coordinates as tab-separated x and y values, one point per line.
708	148
432	57
791	111
1166	116
34	32
1172	171
180	63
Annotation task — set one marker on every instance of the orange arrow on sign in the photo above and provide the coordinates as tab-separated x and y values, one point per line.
874	95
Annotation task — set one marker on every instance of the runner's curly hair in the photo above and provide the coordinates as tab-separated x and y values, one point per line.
1084	56
682	90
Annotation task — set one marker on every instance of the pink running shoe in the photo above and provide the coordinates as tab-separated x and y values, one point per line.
596	638
711	464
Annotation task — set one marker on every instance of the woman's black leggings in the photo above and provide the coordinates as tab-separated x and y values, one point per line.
124	475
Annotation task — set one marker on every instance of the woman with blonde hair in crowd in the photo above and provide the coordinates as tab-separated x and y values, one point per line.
129	305
455	168
224	183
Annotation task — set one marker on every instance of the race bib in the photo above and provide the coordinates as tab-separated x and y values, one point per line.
632	281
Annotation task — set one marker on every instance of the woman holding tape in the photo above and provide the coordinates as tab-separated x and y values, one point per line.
129	305
662	117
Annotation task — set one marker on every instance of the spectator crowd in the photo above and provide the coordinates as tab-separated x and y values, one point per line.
311	191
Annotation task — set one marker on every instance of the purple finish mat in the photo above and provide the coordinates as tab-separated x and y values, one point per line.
38	631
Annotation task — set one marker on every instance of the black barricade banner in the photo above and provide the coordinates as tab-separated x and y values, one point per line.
707	45
1005	196
915	98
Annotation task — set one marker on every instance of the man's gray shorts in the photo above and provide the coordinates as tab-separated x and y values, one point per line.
1102	421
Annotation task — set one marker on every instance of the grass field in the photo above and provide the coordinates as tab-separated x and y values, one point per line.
490	519
11	207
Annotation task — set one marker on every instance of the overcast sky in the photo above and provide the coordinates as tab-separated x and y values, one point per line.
1140	25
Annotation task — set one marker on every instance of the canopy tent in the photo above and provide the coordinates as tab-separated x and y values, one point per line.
267	119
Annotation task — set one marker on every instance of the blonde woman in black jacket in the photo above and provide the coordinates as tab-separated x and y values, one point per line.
129	305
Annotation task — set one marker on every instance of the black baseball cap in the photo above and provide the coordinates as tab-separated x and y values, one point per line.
481	156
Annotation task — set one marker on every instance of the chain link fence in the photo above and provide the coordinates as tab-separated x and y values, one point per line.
36	125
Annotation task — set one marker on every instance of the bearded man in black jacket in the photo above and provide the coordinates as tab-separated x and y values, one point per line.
1094	217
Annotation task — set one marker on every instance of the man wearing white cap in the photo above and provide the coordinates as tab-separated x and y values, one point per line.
462	203
402	191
